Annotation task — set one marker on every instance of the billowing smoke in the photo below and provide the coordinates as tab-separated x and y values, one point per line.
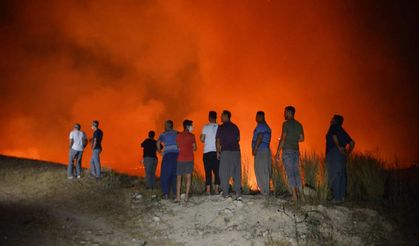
133	64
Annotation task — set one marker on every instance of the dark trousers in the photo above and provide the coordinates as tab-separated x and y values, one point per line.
168	173
336	170
211	165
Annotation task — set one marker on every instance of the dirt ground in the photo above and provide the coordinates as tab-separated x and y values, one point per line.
39	206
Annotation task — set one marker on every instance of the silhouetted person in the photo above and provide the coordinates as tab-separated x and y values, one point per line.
211	163
185	162
338	146
149	146
78	142
95	166
292	134
228	152
169	162
262	153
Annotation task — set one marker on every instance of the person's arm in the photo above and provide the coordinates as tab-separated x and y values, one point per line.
281	142
142	144
218	145
71	143
159	146
301	138
202	138
194	144
84	141
258	142
351	147
336	141
94	142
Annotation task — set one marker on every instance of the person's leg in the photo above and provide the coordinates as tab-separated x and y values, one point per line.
333	172
148	169
287	159
340	184
153	173
259	167
237	172
215	164
178	186
98	165
173	172
164	175
70	163
224	173
262	163
298	182
207	167
188	186
344	179
78	166
95	161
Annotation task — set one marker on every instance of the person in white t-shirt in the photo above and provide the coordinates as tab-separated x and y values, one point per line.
78	142
211	162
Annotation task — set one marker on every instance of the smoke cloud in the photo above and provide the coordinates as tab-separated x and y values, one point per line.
133	64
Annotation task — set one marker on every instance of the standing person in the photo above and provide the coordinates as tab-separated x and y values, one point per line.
185	162
96	149
339	145
228	152
262	153
169	162
78	142
292	134
211	163
149	146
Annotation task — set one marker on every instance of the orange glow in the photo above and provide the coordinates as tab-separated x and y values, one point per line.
133	64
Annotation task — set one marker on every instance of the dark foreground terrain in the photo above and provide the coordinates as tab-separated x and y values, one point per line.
39	206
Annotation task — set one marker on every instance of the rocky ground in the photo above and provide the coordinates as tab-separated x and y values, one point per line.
39	206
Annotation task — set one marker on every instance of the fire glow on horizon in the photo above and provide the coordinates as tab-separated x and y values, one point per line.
134	64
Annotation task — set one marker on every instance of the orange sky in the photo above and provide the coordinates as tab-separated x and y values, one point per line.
133	64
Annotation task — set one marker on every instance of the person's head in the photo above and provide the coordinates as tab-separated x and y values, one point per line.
77	126
337	119
212	116
168	125
260	116
289	112
151	134
95	125
187	125
225	116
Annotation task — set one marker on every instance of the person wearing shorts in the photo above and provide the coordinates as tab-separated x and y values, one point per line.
185	163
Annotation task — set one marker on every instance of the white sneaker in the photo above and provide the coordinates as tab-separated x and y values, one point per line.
70	177
78	177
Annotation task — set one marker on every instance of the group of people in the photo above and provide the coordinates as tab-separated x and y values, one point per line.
222	157
78	142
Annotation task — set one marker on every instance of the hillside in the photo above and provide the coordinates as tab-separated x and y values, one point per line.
39	206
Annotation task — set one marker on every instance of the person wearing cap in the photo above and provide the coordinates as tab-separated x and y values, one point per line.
78	142
185	163
96	149
262	153
339	145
